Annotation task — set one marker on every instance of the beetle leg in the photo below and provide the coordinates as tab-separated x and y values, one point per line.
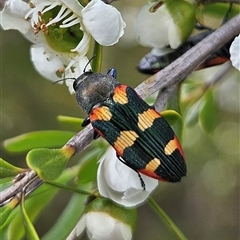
140	177
86	121
95	135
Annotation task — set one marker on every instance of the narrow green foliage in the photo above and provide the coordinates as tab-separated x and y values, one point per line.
6	210
192	114
8	170
171	116
208	112
167	220
174	115
70	122
30	231
5	183
88	170
69	217
35	204
37	139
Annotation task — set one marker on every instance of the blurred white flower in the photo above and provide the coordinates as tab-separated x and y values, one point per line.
62	32
161	24
105	220
101	226
235	52
120	183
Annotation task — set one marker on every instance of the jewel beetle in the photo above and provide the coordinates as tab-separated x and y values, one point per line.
142	138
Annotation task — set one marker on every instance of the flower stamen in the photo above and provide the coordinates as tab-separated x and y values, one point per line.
61	14
70	23
53	5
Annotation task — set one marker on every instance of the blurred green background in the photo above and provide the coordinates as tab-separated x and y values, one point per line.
205	205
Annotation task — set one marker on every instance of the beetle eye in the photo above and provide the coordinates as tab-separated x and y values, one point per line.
80	79
75	83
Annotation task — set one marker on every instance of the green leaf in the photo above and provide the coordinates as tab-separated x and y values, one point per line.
192	91
192	113
166	219
71	122
49	163
171	116
5	183
208	113
220	9
38	139
183	15
8	170
35	203
6	210
175	118
30	231
69	218
88	170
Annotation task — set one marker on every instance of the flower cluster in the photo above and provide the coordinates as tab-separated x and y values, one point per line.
105	220
61	32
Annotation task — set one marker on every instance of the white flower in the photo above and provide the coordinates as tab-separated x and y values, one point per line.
104	220
62	32
235	52
102	226
120	183
12	16
104	22
163	27
47	64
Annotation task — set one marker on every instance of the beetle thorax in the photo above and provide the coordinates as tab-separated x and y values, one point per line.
94	89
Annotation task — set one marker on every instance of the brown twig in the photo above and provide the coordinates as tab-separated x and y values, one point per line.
28	182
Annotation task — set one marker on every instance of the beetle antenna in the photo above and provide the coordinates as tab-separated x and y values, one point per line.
63	80
84	70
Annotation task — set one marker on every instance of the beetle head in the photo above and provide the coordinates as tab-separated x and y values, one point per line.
93	88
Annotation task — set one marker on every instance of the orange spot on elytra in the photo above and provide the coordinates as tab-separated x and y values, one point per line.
100	113
146	119
120	94
125	139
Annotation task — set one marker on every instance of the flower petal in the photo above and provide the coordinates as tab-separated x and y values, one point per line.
45	63
12	16
150	34
103	22
81	225
83	46
235	52
120	183
101	226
